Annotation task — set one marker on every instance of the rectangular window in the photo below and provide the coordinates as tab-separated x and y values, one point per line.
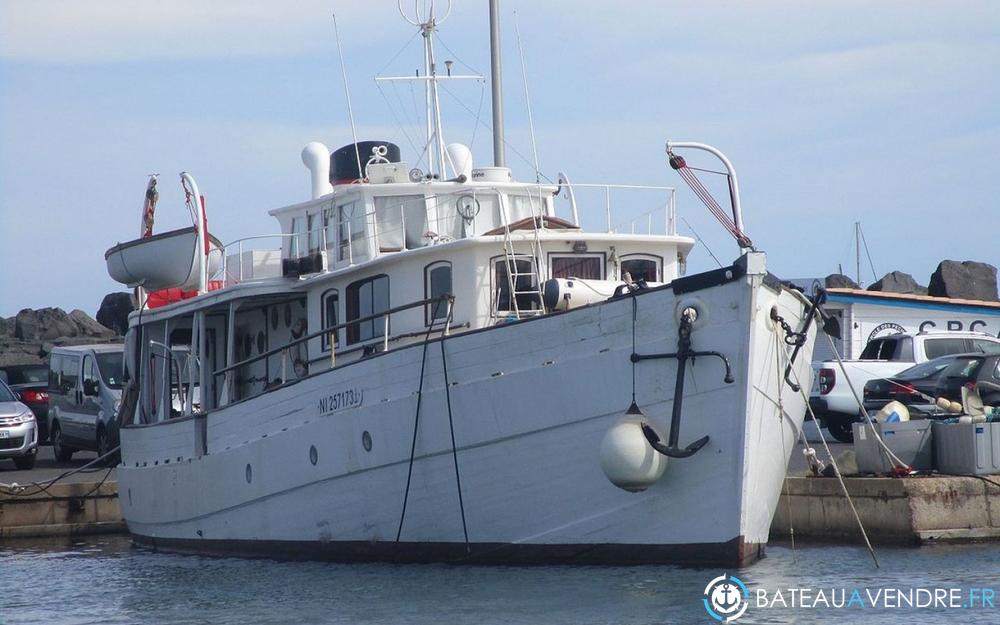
313	227
402	222
331	316
364	299
437	282
582	266
525	286
351	231
299	237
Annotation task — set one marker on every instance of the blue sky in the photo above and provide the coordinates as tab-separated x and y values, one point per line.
832	112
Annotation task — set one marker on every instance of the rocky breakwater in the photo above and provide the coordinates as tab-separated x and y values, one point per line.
28	337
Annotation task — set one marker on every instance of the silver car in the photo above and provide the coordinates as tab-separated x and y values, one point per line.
18	430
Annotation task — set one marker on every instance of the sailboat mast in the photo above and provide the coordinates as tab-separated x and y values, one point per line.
499	159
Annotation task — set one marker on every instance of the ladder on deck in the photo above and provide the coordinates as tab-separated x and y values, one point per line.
532	257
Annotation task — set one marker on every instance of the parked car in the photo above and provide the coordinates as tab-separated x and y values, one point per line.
18	430
832	399
913	387
85	383
31	382
980	372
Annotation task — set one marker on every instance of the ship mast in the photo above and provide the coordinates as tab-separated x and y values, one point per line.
496	82
435	145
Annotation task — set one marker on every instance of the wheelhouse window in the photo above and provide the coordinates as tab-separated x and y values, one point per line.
525	286
437	282
351	230
366	298
582	266
313	221
402	222
648	268
299	237
331	317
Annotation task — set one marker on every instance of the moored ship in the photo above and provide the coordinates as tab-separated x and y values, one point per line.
447	365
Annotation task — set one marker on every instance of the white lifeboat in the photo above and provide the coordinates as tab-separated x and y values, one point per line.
183	259
163	261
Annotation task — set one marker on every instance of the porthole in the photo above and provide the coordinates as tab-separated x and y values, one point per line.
274	318
366	440
261	342
288	315
249	474
130	496
313	454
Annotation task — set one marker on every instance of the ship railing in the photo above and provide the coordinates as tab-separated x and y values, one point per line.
251	258
617	204
381	342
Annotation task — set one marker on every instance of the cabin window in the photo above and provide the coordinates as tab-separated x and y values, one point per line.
366	298
402	222
644	267
525	286
331	317
351	230
315	232
582	266
299	237
437	282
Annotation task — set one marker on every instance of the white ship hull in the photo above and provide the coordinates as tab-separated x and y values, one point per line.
531	402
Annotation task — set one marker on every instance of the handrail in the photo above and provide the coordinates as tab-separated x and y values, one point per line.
450	299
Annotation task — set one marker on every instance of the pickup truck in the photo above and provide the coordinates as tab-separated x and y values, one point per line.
832	400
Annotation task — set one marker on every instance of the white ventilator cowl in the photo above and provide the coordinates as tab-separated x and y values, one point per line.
316	157
627	459
461	159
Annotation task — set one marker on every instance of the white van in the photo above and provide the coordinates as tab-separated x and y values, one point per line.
85	390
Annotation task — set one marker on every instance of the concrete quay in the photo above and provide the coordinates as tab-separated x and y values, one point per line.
912	510
75	506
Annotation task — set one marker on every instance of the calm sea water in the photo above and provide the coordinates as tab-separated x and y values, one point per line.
106	580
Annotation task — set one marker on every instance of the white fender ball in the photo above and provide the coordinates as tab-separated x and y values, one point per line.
627	459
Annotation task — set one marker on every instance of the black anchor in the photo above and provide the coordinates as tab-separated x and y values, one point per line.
684	351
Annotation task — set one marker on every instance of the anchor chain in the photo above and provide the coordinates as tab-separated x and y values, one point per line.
793	338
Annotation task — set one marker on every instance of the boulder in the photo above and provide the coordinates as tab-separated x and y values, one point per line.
44	324
114	311
964	280
840	281
86	326
898	282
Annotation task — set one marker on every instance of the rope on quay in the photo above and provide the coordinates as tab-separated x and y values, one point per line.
21	490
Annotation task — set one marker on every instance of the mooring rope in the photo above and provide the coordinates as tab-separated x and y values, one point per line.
416	424
778	342
836	469
898	464
454	448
